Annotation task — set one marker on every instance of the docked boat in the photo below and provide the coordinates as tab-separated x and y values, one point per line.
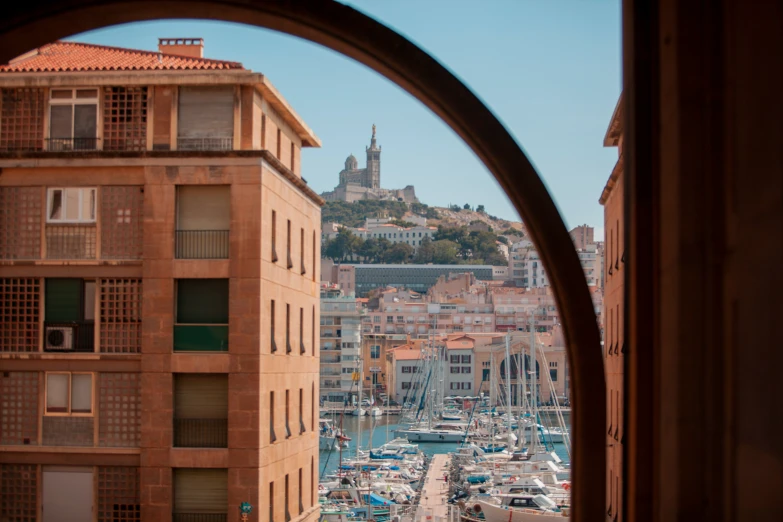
518	508
330	437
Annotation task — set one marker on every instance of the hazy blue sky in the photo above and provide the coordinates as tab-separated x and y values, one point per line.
549	69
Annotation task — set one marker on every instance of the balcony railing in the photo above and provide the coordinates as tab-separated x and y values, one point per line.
71	144
70	241
69	337
212	143
201	244
200	337
199	517
200	433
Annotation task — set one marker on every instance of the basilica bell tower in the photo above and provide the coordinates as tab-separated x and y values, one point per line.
373	176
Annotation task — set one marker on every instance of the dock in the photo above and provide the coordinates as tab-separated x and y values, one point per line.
432	503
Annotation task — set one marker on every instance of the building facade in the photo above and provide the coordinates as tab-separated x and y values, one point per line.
415	277
613	331
341	343
158	289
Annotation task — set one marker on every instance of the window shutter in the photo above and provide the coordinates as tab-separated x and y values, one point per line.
201	396
63	300
202	301
203	207
200	490
206	112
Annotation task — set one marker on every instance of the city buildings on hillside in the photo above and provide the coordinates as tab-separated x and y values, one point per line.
340	346
412	236
159	289
525	268
357	184
419	278
613	331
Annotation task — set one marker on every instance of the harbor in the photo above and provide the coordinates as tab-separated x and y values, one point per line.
496	457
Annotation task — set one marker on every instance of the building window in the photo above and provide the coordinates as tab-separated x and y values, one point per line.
376	329
274	236
301	506
69	315
272	326
271	502
312	407
454	359
288	328
279	144
71	205
287	501
302	252
272	436
376	319
375	352
406	386
406	369
200	410
205	118
466	359
287	413
293	157
69	394
466	369
201	318
125	118
454	369
484	375
73	119
203	221
301	332
389	318
199	494
263	131
465	385
553	374
312	333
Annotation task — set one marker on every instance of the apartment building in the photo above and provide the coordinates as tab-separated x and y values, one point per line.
460	361
158	290
613	331
340	345
375	374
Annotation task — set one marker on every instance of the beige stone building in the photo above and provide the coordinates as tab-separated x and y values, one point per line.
159	262
614	333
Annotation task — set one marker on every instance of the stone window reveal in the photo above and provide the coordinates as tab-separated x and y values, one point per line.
21	119
120	302
125	118
20	222
19	314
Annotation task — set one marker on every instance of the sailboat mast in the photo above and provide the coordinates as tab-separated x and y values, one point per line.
359	428
533	383
508	385
522	393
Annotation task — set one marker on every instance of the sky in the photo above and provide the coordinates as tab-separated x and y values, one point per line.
550	70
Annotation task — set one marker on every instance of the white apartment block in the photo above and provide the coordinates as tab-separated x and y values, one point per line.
340	342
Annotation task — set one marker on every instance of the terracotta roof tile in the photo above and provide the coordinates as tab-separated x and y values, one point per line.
74	57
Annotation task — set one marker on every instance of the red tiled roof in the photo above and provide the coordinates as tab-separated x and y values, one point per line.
74	56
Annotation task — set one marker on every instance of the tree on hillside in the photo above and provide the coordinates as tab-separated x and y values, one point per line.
344	245
466	207
399	253
369	250
425	252
480	208
444	252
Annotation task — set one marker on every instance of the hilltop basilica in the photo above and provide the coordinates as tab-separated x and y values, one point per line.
357	184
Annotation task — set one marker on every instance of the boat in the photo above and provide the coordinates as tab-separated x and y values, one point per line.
330	437
375	411
518	508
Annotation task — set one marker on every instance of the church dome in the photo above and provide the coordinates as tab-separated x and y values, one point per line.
351	163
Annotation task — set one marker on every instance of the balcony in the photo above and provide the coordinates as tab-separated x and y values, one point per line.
199	517
200	433
71	144
211	143
69	337
200	337
71	241
201	244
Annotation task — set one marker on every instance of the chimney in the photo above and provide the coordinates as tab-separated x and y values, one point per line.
192	47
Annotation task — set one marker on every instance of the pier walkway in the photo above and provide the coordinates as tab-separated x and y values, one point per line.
432	502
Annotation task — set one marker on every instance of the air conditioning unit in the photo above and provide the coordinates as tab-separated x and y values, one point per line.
59	338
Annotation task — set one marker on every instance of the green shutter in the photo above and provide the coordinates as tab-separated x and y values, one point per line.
63	300
202	301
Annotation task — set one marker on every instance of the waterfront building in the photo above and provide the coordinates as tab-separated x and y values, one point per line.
613	330
158	289
375	347
460	364
340	346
